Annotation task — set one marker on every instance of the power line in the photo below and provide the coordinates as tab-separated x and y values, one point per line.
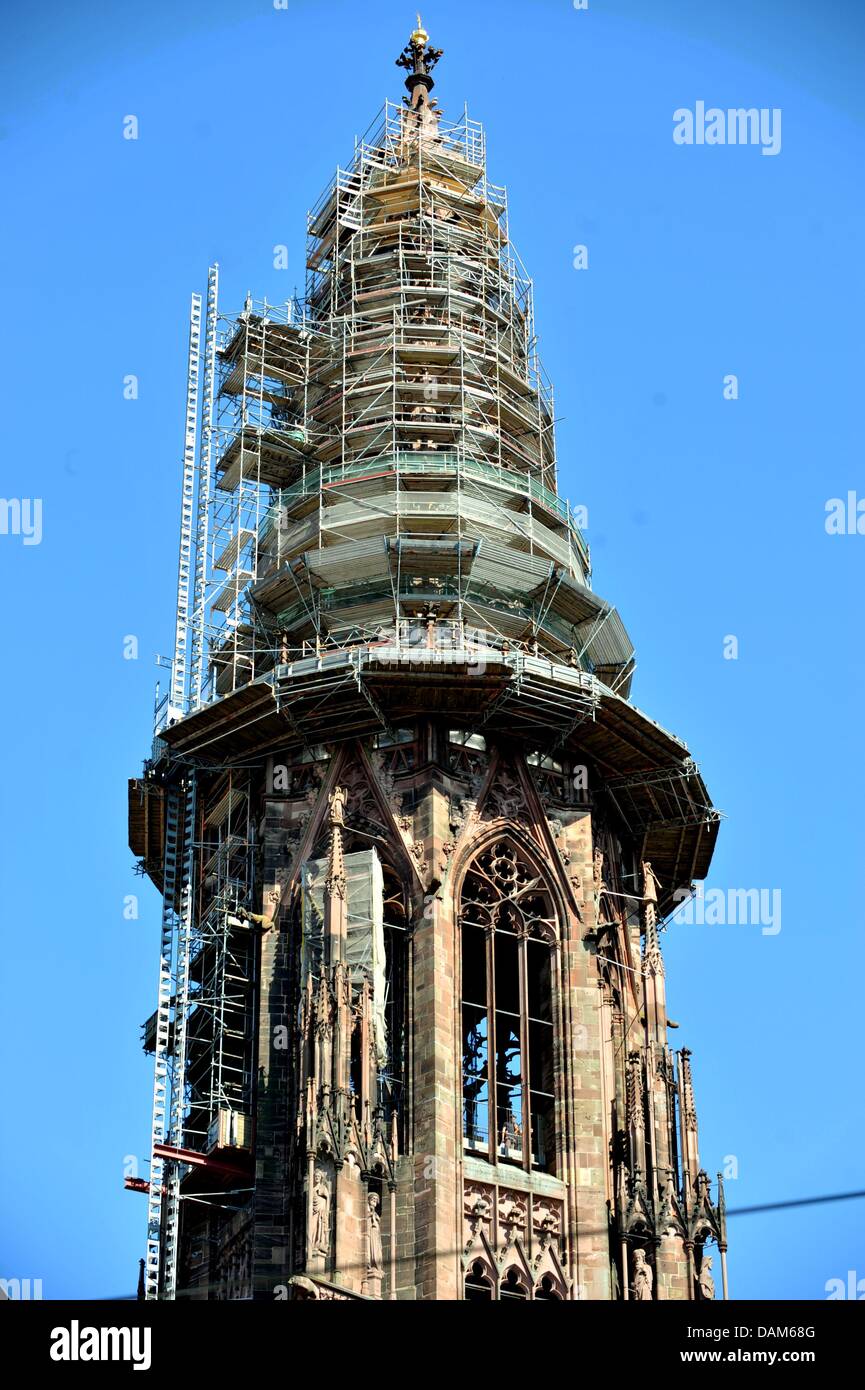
736	1211
795	1202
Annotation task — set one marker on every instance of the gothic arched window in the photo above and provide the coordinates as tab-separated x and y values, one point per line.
512	1286
479	1288
508	931
547	1290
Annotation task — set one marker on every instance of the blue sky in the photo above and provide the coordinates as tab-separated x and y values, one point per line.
706	515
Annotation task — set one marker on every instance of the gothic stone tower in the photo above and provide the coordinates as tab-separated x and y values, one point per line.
414	842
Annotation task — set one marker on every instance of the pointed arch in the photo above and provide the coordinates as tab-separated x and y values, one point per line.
529	852
513	1284
480	1282
503	889
550	1288
509	918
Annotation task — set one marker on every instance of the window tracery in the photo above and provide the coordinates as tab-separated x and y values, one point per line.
508	926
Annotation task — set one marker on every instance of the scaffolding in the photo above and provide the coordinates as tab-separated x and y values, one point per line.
190	485
167	1030
369	501
384	447
222	975
371	462
201	1033
204	497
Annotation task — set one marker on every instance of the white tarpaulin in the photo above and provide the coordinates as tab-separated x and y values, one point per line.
365	941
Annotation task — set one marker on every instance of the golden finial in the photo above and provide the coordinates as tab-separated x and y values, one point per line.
419	61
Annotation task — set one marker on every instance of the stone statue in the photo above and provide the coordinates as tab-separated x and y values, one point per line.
477	1215
705	1282
547	1231
320	1214
643	1279
337	802
598	873
650	883
373	1235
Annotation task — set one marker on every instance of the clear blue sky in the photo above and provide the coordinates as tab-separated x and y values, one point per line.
706	516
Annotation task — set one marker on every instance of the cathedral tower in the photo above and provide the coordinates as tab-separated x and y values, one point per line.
415	843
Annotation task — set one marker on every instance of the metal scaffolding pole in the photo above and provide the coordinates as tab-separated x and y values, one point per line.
204	502
184	566
163	1200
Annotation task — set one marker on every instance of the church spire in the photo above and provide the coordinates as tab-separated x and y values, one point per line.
652	958
688	1123
419	60
335	881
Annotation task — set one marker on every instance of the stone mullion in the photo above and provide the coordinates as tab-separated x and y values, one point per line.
525	1060
565	1114
586	1045
434	1072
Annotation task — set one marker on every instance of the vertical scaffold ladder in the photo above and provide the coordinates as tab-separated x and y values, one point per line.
169	1074
184	564
205	490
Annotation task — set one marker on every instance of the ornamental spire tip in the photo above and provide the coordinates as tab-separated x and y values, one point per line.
419	60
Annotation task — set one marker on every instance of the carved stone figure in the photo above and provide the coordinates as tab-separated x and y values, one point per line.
650	883
337	806
477	1215
547	1230
598	875
504	800
320	1214
512	1217
666	1197
373	1235
705	1282
598	866
643	1278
